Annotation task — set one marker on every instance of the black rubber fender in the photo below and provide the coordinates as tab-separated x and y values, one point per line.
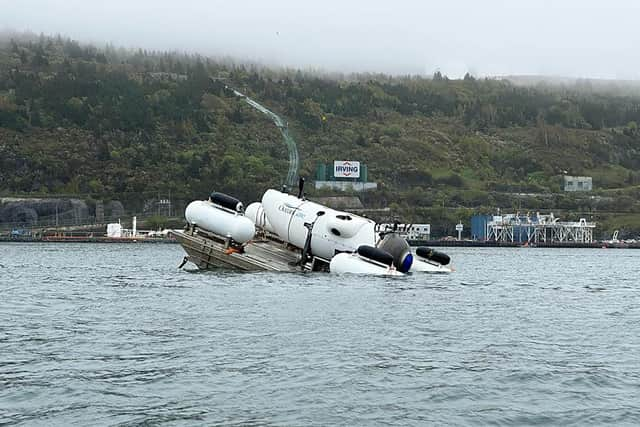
226	201
433	255
376	254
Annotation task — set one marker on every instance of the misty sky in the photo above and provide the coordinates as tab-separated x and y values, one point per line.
575	38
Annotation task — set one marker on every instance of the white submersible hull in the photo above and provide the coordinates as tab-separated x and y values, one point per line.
331	231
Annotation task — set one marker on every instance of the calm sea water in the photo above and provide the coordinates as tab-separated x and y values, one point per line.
100	334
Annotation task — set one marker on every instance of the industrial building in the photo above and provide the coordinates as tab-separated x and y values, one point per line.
408	231
517	228
577	183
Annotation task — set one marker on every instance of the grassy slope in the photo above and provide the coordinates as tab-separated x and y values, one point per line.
422	161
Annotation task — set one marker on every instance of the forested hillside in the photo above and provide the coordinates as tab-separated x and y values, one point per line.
114	123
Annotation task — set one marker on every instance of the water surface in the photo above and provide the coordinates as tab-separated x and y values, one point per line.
103	334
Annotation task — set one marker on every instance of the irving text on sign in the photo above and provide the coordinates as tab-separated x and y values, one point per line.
346	169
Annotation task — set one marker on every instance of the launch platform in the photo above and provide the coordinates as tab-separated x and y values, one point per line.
210	251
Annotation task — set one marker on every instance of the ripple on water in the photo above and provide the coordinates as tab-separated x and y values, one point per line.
122	336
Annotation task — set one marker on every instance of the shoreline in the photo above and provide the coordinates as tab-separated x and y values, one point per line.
52	239
492	244
432	243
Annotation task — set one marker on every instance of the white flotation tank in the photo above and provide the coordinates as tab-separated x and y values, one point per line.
421	265
366	260
221	221
255	213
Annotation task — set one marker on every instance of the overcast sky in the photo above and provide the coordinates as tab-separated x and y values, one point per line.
575	38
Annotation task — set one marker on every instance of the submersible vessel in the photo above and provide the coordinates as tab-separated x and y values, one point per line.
283	232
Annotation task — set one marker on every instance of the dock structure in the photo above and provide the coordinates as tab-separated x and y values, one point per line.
538	229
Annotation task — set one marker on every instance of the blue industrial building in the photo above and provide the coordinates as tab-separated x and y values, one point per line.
479	226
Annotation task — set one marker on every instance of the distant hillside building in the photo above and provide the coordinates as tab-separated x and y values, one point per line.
577	183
